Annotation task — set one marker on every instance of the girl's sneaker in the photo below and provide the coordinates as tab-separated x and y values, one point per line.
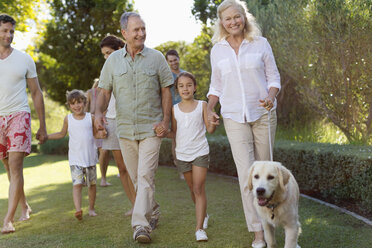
205	223
201	235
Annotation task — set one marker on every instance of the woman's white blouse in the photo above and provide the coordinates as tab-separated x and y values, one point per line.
240	81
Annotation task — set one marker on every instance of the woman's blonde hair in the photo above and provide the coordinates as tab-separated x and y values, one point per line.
251	28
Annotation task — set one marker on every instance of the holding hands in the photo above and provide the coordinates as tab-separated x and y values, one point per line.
99	122
213	118
42	135
161	129
99	126
101	134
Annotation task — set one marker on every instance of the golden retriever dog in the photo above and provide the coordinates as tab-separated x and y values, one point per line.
276	196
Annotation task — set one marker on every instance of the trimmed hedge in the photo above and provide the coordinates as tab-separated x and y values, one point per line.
336	173
57	147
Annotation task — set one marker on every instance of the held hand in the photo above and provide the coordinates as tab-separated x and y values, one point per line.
99	122
101	134
267	103
213	118
41	136
161	129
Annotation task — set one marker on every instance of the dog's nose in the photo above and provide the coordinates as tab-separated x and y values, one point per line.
260	191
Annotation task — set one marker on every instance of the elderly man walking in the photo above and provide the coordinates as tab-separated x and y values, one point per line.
17	70
140	80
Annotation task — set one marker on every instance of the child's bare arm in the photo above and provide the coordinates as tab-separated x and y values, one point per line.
62	133
172	133
209	126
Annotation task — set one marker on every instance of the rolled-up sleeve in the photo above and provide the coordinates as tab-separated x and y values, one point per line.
165	74
215	88
271	70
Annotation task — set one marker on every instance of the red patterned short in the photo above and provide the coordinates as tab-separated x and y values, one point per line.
15	133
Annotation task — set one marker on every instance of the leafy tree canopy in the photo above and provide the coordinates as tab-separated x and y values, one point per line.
20	10
70	55
194	58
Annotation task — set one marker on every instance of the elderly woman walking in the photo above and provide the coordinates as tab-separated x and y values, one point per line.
245	80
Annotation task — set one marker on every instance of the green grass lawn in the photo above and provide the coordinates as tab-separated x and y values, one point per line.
48	189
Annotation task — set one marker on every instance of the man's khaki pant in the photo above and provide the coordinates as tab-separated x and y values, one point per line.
141	159
250	142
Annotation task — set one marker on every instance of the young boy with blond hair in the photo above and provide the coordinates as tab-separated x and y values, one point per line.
82	154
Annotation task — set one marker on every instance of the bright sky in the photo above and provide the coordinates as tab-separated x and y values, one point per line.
166	20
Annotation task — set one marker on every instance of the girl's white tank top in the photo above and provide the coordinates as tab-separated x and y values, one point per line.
190	136
82	149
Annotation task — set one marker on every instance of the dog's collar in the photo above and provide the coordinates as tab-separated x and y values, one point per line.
272	206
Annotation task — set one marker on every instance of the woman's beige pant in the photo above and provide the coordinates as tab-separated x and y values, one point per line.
250	142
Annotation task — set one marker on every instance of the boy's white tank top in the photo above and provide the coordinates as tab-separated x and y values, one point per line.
82	149
190	136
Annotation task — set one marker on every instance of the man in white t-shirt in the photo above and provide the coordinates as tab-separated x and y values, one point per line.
17	70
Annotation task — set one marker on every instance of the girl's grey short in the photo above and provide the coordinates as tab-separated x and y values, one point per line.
112	140
184	166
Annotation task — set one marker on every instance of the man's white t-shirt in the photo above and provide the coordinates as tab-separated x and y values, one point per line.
14	70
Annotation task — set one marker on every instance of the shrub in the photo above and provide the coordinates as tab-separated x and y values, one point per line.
333	172
336	173
58	147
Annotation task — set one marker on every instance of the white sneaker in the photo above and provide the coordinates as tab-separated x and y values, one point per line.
259	244
201	235
205	223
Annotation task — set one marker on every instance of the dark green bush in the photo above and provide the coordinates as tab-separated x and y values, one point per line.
337	173
34	147
333	172
58	147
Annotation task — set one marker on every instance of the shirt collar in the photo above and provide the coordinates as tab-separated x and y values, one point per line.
144	51
225	43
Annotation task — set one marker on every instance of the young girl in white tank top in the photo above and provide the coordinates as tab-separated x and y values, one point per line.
189	124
